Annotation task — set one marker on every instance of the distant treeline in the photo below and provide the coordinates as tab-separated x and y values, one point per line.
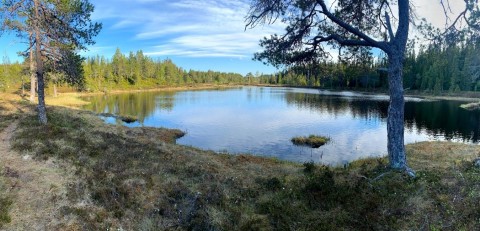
436	68
139	71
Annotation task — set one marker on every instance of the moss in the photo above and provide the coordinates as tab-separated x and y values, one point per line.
5	204
312	141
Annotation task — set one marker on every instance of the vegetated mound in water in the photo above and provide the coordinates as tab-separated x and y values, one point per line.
125	118
312	141
471	106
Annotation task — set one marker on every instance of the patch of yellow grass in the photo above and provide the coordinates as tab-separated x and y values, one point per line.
440	155
71	100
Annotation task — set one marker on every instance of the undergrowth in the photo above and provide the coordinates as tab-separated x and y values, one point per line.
138	179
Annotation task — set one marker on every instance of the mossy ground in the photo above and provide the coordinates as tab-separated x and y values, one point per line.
138	179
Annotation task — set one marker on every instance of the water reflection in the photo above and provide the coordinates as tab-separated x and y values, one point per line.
262	121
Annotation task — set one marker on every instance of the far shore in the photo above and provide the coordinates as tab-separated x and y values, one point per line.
460	96
71	98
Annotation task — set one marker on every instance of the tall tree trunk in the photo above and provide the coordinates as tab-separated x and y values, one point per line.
23	87
395	120
42	112
33	77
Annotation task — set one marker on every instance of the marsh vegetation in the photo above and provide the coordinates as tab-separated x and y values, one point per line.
312	141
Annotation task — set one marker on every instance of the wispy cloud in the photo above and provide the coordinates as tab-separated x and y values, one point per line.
187	28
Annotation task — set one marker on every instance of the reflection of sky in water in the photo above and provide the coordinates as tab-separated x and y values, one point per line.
261	122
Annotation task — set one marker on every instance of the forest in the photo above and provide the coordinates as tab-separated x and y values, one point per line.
434	68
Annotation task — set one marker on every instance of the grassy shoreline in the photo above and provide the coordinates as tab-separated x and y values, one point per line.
139	179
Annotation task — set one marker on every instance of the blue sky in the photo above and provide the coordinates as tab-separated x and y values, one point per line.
195	34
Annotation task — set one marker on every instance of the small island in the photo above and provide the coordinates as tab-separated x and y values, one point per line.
312	141
471	106
125	118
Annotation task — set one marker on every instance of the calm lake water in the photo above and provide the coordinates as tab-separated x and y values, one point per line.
262	120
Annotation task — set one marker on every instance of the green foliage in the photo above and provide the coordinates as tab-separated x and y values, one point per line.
435	68
11	75
137	71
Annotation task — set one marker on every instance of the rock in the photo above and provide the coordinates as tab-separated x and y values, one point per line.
26	157
476	162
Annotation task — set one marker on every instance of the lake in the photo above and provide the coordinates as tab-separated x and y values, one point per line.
262	120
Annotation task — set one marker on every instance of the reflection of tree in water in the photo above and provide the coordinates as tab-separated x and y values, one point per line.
141	104
439	117
335	105
445	118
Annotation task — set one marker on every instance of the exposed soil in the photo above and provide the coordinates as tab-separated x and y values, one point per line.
38	187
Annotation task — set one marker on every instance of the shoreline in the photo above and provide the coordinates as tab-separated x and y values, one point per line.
461	96
139	179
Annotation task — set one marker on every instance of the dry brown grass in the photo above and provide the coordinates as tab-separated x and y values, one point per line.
440	155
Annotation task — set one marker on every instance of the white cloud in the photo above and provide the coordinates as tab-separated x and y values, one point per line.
188	28
206	28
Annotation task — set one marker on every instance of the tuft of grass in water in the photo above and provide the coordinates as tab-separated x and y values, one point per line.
128	118
312	141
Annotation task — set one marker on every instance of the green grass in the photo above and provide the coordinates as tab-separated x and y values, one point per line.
312	141
138	179
5	200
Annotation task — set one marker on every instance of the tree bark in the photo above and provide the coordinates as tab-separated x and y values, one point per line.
395	120
33	77
42	112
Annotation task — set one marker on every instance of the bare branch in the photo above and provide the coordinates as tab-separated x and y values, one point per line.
389	26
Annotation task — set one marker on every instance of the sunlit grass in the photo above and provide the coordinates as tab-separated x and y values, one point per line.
66	99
